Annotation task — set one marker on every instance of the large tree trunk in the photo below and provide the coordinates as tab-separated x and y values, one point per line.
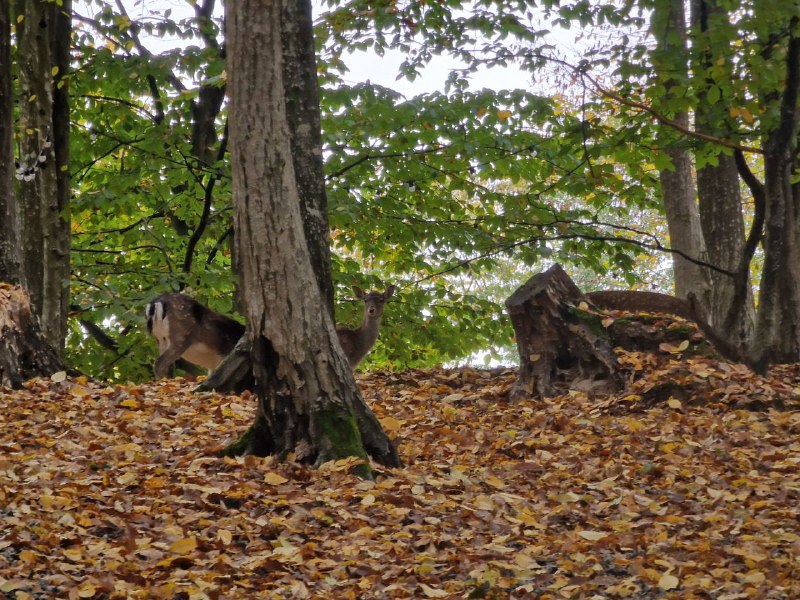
308	401
670	59
777	336
10	247
719	198
23	352
43	30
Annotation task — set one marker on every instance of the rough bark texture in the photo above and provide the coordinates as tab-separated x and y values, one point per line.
10	255
557	348
23	352
677	185
302	107
719	198
777	336
43	58
308	401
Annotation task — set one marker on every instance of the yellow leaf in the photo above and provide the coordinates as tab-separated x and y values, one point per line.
86	590
683	345
592	535
54	71
58	377
668	582
747	116
503	115
495	482
756	577
126	478
390	425
368	500
74	554
183	546
129	403
32	98
274	478
225	536
674	403
433	593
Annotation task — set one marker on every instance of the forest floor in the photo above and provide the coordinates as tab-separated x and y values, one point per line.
116	492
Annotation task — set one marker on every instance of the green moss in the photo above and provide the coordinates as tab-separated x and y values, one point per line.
593	322
239	447
339	428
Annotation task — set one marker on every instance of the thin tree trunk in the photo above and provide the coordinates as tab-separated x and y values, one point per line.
10	255
308	401
677	185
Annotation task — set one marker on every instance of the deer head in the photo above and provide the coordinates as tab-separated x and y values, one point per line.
356	343
186	329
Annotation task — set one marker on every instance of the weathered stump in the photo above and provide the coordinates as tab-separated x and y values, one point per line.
23	351
557	347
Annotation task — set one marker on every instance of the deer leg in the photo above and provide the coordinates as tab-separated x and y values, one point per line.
168	352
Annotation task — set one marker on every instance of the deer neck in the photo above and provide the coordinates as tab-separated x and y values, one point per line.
368	331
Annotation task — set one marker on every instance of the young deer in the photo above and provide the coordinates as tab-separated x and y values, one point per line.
356	343
185	328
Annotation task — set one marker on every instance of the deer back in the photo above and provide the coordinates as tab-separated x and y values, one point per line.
185	328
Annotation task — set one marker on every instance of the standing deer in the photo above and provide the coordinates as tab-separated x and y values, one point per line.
186	329
356	343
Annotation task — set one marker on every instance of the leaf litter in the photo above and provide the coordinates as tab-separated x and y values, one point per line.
117	492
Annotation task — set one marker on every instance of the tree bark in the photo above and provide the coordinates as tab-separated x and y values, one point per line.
719	198
302	107
677	184
23	352
777	336
308	401
10	247
558	349
43	58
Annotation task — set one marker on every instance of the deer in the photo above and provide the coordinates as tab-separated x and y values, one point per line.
186	329
357	343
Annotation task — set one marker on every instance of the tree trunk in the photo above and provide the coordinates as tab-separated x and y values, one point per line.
23	352
43	58
10	247
302	107
677	185
777	335
558	350
308	401
719	198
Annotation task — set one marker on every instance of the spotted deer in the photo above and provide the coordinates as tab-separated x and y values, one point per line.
357	343
186	329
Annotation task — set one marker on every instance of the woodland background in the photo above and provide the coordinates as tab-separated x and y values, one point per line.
659	153
634	139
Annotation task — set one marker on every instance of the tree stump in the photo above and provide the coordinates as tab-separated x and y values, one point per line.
558	348
23	351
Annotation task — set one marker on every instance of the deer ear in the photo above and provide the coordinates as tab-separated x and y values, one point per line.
389	292
358	292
